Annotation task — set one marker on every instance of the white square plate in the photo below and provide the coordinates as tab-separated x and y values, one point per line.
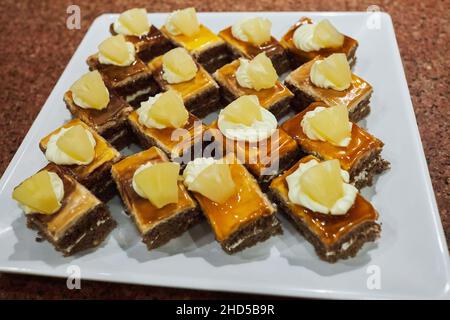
409	261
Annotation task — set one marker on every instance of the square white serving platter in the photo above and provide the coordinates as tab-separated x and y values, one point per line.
410	260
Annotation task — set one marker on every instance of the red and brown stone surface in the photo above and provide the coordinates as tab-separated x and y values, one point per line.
36	47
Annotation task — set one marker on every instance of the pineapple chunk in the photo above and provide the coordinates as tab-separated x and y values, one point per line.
326	35
261	72
244	110
336	69
186	21
332	124
323	183
159	183
116	49
169	110
37	193
215	183
136	21
76	144
91	89
257	30
179	62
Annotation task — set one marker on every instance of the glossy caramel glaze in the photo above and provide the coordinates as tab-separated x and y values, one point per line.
362	143
145	214
287	42
249	50
267	97
144	41
77	201
241	209
201	82
116	111
350	97
261	157
328	228
104	152
197	43
174	141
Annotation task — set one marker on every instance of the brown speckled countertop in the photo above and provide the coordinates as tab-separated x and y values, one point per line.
36	46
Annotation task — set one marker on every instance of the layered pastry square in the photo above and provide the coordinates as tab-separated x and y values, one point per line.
230	198
249	37
164	122
254	77
184	30
177	70
63	211
122	71
84	154
330	80
306	40
154	197
148	41
326	210
251	133
102	109
327	134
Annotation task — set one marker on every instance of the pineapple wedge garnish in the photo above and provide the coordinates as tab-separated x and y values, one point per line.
244	110
336	69
326	35
169	110
261	72
117	50
136	21
179	62
186	21
332	124
257	30
91	89
76	144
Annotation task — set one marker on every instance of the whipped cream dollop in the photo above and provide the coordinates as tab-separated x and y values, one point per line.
58	189
56	155
296	195
259	130
194	168
242	75
313	134
303	38
130	59
135	186
144	116
321	81
120	28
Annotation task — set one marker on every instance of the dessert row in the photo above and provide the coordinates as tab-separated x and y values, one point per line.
152	86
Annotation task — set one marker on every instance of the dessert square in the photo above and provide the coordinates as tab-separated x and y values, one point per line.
96	176
244	219
361	158
110	122
157	226
205	46
82	222
334	237
356	97
200	95
134	83
273	50
297	57
150	45
178	145
265	159
276	99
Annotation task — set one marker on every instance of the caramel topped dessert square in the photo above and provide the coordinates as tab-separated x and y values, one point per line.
154	197
360	155
355	95
304	41
339	221
63	211
84	154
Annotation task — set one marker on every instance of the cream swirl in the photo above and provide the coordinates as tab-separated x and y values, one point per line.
242	75
135	186
194	168
303	38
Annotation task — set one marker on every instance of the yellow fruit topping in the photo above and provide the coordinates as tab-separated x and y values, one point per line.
215	183
90	90
326	35
178	66
117	50
257	30
332	124
169	110
186	21
159	183
37	193
136	21
244	110
336	69
323	183
76	144
261	72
